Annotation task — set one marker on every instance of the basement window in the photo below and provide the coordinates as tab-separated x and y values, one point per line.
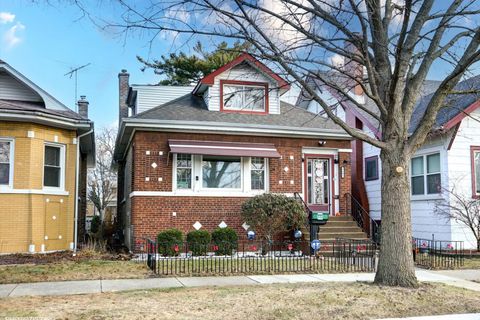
53	168
6	162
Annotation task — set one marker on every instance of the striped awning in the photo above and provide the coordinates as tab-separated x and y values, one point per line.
219	148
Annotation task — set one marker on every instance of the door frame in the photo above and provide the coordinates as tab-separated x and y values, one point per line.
331	159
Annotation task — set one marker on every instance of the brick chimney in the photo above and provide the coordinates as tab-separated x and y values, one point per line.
123	87
353	68
83	107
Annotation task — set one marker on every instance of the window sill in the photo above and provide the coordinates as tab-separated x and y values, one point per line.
189	193
427	197
34	191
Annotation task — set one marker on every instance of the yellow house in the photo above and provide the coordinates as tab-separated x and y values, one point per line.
45	149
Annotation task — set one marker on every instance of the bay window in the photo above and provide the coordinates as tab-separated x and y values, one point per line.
54	166
246	96
425	174
6	162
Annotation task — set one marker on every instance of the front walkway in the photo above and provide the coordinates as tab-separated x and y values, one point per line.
101	286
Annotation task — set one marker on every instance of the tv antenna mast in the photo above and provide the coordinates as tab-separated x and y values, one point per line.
72	72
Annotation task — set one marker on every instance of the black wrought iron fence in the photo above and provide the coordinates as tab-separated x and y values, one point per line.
259	257
436	254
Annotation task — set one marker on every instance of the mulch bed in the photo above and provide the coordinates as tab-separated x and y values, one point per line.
61	256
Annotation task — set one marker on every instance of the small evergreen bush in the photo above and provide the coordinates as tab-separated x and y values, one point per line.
198	242
95	226
168	241
225	239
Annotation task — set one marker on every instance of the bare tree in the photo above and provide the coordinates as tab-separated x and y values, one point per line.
102	181
397	43
463	209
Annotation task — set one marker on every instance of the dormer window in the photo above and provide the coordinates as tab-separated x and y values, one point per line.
243	96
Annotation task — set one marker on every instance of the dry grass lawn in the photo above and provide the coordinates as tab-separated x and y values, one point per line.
471	263
281	301
73	270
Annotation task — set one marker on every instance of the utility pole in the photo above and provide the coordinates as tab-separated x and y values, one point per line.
74	72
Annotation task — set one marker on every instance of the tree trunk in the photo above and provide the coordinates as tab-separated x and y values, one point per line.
395	265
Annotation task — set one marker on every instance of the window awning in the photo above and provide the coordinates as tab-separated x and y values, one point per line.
218	148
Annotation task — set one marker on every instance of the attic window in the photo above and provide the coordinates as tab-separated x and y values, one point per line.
240	96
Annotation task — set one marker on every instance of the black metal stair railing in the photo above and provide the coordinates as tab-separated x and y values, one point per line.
312	228
361	216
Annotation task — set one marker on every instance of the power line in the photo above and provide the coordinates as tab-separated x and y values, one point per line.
74	72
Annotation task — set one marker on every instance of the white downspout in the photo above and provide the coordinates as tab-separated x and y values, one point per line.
75	231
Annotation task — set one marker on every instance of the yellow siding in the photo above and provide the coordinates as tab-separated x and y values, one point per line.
27	215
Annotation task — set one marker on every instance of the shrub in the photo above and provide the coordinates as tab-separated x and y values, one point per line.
198	242
168	241
269	214
95	224
225	239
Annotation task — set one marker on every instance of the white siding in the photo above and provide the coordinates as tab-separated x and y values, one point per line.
460	169
316	108
12	89
243	73
149	97
373	187
425	222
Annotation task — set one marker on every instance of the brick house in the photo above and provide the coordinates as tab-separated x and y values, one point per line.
188	157
45	149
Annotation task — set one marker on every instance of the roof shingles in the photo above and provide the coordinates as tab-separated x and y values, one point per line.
193	108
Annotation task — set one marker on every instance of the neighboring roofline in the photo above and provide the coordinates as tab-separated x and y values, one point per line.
461	115
130	125
43	118
159	85
209	79
47	98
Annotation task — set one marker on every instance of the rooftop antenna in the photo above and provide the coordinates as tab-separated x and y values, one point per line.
74	72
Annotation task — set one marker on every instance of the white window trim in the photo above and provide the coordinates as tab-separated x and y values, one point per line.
259	86
475	173
197	188
174	175
62	166
9	186
426	195
242	179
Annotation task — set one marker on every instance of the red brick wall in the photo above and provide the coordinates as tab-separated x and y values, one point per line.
153	214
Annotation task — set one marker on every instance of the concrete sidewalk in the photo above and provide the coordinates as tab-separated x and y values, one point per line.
466	316
99	286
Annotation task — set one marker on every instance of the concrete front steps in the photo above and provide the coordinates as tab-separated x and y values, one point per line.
341	227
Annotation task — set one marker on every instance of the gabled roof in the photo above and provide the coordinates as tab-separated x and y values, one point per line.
209	79
189	113
50	101
193	108
456	106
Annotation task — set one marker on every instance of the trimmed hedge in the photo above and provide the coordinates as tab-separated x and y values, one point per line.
226	239
168	241
198	242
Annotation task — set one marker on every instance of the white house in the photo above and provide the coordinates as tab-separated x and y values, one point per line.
448	162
